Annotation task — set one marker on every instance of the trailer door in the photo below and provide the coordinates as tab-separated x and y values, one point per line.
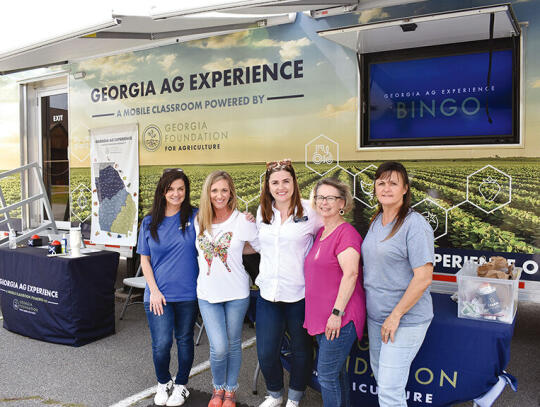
44	139
53	109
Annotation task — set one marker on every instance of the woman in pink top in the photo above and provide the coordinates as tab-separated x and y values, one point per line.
335	299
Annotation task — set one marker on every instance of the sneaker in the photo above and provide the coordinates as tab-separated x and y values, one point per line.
162	393
292	403
270	401
178	395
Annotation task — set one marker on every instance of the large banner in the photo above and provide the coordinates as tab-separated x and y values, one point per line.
235	101
114	154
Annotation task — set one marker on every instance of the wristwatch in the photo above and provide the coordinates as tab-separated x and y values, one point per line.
337	312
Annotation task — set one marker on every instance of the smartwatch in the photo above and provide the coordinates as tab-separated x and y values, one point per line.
337	312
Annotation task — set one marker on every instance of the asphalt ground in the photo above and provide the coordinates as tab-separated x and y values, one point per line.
118	370
108	371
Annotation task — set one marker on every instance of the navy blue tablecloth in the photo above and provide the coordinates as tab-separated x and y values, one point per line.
460	360
60	300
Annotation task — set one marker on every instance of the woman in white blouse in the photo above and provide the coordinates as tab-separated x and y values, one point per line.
286	227
223	284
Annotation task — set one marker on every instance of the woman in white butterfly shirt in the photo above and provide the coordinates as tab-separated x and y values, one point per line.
223	284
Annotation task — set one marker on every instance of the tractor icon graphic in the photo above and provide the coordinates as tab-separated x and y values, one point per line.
322	154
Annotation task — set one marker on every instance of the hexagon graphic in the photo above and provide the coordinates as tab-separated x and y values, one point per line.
435	214
247	202
79	148
322	155
261	182
80	199
363	186
489	189
246	189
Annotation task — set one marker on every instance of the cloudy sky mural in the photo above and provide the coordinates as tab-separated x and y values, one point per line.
246	131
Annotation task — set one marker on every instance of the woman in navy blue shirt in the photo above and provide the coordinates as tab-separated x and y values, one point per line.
169	264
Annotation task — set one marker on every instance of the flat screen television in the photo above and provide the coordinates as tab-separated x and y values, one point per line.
441	95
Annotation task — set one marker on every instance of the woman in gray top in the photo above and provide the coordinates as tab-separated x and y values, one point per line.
398	254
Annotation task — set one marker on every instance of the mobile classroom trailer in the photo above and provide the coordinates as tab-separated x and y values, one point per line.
449	88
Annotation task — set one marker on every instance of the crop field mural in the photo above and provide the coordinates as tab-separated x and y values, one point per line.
11	191
471	204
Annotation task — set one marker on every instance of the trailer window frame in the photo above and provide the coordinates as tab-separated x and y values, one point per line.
364	61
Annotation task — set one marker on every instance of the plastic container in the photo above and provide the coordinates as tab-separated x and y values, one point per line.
487	299
75	241
12	239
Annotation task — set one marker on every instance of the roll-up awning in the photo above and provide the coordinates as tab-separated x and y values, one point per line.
124	33
168	9
74	37
419	31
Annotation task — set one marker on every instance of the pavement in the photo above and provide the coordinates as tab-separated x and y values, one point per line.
118	371
109	371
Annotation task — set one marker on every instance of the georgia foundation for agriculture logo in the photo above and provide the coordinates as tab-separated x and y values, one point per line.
151	138
15	304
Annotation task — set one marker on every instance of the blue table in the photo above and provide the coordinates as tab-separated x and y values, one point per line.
460	360
60	300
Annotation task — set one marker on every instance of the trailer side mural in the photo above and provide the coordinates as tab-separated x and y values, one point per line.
233	102
9	140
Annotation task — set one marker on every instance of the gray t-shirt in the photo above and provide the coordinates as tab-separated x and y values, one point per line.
389	264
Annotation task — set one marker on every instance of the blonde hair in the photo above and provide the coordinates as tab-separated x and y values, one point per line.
206	211
343	189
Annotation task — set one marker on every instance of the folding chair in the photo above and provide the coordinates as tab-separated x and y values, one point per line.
140	282
133	282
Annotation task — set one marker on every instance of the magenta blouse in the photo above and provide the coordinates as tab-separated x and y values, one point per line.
323	275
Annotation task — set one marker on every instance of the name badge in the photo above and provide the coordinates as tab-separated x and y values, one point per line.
304	218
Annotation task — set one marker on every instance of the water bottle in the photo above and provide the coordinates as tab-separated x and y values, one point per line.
12	239
489	297
64	243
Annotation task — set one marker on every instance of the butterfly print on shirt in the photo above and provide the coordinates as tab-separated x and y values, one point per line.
218	248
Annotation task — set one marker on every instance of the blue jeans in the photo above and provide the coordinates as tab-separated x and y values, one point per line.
391	361
273	319
331	367
223	323
178	318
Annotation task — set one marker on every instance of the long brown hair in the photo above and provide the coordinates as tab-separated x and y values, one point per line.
385	170
266	197
157	213
206	211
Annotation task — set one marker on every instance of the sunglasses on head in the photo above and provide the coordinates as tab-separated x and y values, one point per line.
172	170
278	164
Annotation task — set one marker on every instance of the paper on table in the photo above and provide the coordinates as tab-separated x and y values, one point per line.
66	255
